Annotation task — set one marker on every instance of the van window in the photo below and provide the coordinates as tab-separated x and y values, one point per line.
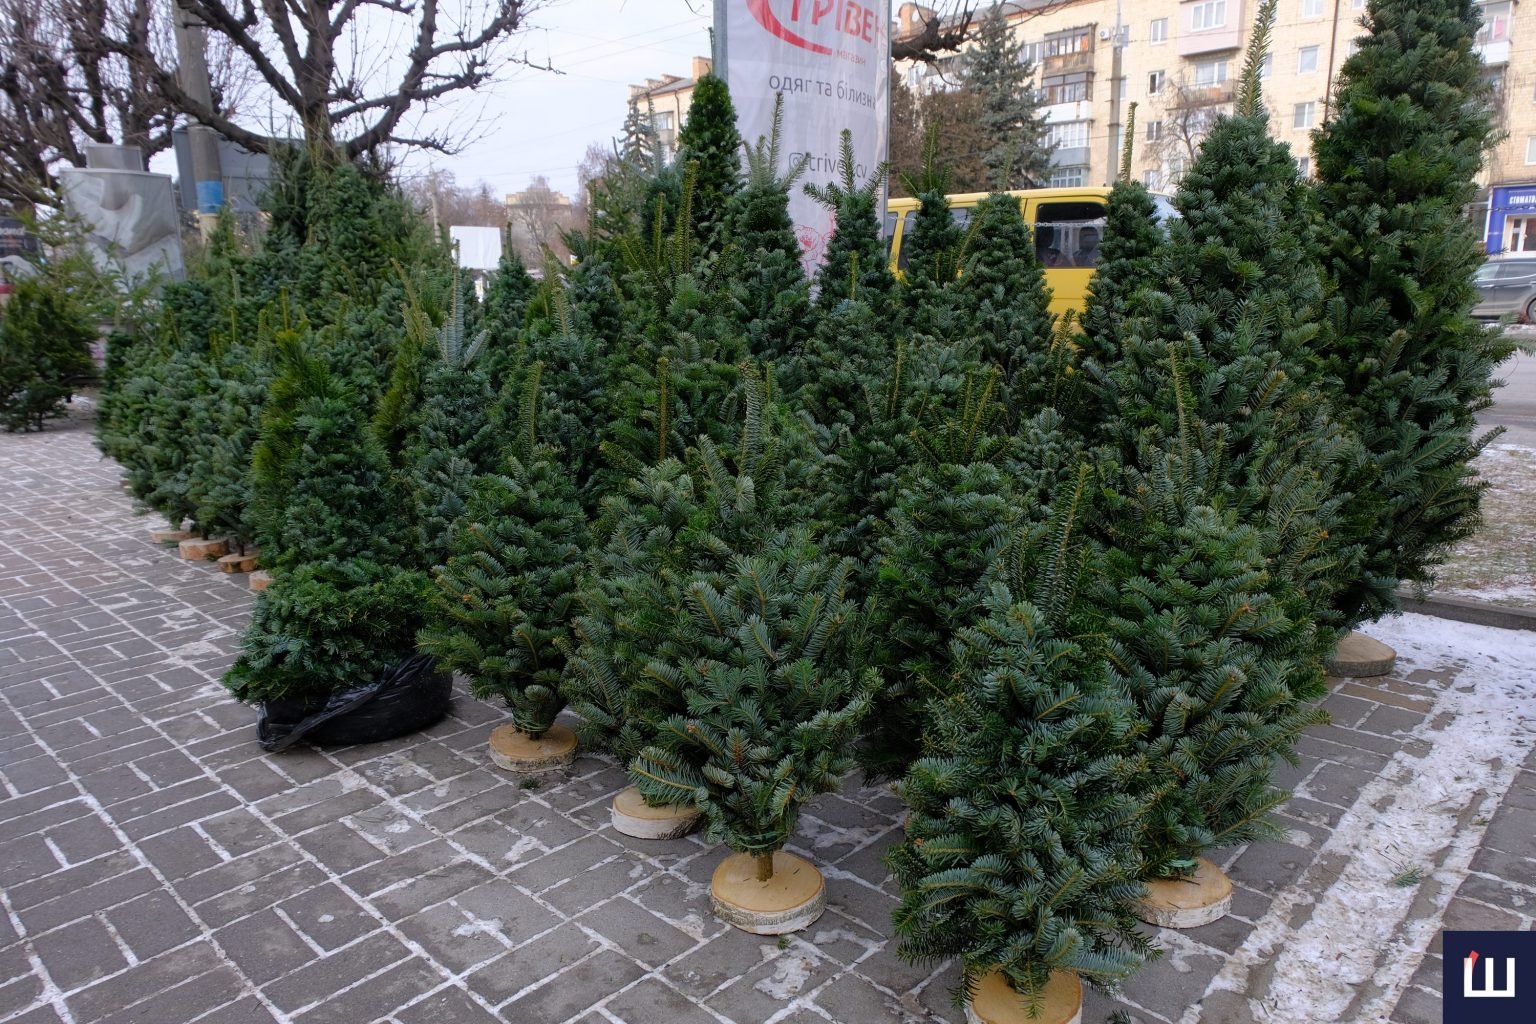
904	218
1067	234
962	215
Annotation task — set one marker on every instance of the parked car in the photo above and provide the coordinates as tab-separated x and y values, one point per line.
1507	286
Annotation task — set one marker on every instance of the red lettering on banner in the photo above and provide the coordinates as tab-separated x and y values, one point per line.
819	10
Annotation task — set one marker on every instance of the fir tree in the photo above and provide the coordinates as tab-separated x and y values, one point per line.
709	138
1004	300
1397	166
935	249
854	252
507	293
1127	259
502	604
1022	851
44	354
1019	154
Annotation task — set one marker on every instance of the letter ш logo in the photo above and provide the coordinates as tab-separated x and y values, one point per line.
1479	979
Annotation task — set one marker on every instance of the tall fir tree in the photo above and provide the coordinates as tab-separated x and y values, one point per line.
1397	166
709	139
1018	154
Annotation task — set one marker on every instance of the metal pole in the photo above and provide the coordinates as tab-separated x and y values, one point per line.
203	141
1116	73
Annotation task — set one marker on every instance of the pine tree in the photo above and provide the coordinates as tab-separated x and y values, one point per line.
854	252
44	354
709	138
935	249
502	605
1022	851
1019	153
1397	166
507	293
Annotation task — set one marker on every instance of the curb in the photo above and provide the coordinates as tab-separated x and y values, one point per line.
1462	609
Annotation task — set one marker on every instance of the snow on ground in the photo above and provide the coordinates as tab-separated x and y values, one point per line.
1498	563
1356	944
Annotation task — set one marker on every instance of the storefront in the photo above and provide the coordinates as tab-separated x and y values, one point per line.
1512	219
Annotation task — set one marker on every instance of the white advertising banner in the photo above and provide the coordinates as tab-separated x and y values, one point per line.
831	60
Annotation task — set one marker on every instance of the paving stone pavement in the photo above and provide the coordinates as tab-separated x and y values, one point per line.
157	867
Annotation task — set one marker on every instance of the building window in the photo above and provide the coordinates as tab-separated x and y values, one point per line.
1495	28
1266	64
1306	115
1357	4
1068	134
1073	40
1159	33
1154	130
1530	150
1066	88
1068	177
1149	179
1304	166
1311	8
1306	60
1155	82
1207	15
1029	53
1210	72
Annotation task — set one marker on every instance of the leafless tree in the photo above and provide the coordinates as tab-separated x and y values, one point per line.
1183	116
62	87
930	31
439	193
540	217
348	72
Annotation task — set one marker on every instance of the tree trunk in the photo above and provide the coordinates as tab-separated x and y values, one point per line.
764	866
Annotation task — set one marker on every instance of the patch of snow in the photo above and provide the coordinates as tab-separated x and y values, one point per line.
478	926
1358	938
524	846
789	976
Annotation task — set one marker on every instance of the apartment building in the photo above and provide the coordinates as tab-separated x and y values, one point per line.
666	101
1179	60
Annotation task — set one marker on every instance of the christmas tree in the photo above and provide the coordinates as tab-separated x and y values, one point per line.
1019	153
505	598
1022	853
1397	167
709	139
854	253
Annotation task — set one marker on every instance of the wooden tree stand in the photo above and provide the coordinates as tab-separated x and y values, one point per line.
515	751
634	817
259	580
1359	656
1188	903
195	550
170	536
237	563
792	899
995	1001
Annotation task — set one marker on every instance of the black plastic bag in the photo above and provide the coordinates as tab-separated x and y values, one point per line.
403	698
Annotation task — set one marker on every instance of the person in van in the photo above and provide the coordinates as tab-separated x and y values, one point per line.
1045	247
1087	254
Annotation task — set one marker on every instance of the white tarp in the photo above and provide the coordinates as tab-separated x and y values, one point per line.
831	59
478	248
132	218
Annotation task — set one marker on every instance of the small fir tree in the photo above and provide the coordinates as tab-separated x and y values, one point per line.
1022	851
1019	152
502	605
45	354
1396	167
854	252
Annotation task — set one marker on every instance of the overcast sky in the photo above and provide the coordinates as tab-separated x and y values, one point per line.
537	122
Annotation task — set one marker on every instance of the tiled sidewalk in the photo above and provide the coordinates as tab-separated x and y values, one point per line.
157	867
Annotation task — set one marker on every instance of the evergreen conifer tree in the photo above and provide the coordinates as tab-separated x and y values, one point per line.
1019	154
854	252
934	248
44	354
1022	851
505	598
1397	167
709	138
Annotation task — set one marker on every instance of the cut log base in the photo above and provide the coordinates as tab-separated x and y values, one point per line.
632	816
195	550
515	751
792	899
995	1001
1359	657
237	563
260	580
170	536
1188	903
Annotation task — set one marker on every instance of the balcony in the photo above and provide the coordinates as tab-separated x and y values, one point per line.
1077	156
1067	63
1495	53
1211	40
1081	110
